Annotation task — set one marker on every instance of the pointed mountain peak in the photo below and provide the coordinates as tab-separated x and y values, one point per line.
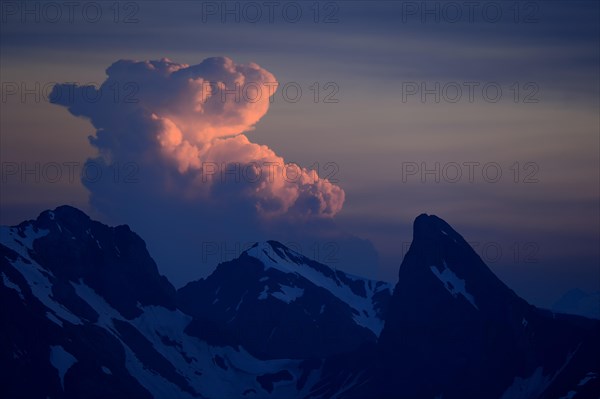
452	319
436	243
430	227
441	260
274	254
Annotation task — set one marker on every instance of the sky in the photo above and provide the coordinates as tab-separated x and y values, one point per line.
483	113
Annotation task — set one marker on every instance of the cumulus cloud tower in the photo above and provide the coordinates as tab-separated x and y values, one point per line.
186	124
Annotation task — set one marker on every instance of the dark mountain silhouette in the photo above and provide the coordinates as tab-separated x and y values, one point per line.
85	313
456	331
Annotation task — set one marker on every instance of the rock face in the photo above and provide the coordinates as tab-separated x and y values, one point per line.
454	330
85	313
114	262
277	303
64	276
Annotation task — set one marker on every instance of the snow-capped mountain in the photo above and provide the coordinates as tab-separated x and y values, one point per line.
85	313
277	303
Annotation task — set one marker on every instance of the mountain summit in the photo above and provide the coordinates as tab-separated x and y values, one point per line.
454	330
272	296
85	313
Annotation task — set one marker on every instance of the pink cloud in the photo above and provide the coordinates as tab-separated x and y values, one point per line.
190	120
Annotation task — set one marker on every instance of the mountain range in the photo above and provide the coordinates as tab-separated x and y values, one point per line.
86	314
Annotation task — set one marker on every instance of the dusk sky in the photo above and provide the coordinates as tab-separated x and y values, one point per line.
485	115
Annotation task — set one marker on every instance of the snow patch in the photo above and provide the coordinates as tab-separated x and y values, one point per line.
89	233
528	387
264	294
50	316
191	356
365	315
569	395
152	381
62	361
104	310
237	308
288	294
589	376
21	245
453	284
36	276
534	385
9	284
